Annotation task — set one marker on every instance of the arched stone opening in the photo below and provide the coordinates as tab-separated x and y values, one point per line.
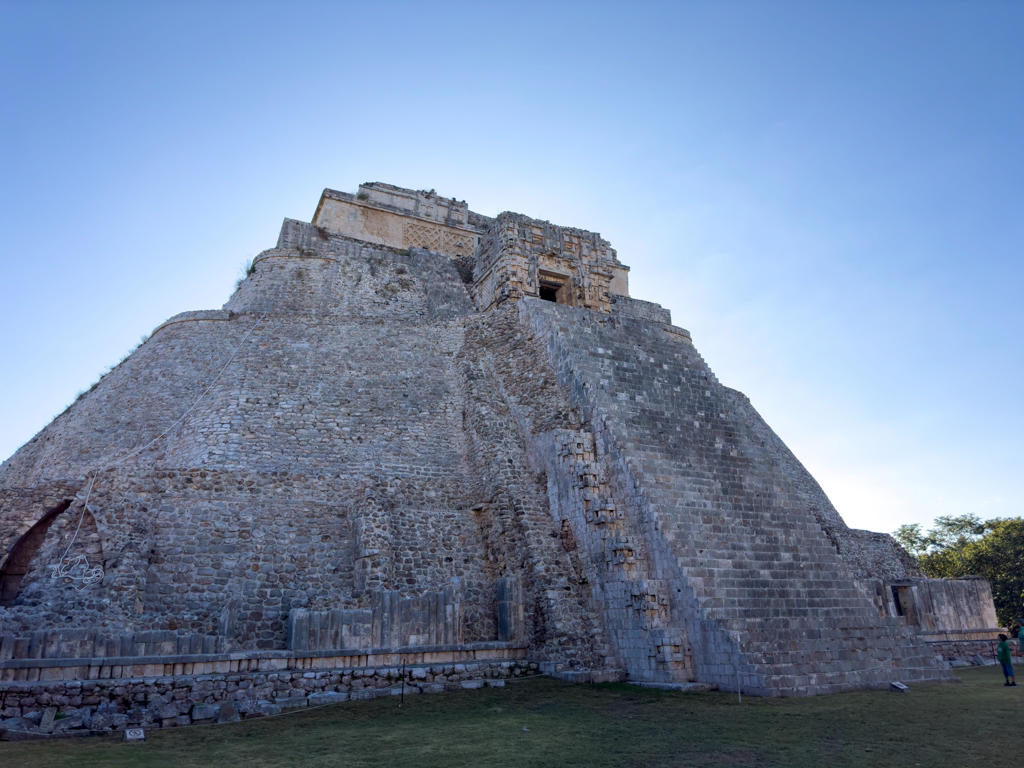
71	555
24	550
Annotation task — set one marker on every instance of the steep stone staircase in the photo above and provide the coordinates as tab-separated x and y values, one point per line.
770	598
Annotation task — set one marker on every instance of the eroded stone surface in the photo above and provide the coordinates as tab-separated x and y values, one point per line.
384	449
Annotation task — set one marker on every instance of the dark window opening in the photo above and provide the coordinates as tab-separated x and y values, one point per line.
549	293
905	604
903	601
896	600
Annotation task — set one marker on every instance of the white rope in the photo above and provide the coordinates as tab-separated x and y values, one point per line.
65	567
88	576
191	407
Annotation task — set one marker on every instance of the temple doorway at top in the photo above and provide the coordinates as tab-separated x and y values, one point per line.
552	287
549	293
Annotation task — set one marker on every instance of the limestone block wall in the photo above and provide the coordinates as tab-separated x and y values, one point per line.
356	444
94	644
229	695
419	203
944	607
518	256
401	218
972	653
128	407
392	621
748	569
954	618
642	310
869	554
229	552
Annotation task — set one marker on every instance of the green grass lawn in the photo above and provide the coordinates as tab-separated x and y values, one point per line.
978	723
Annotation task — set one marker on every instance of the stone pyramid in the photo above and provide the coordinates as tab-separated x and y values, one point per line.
418	430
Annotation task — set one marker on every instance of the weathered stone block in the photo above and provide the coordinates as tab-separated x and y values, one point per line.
204	712
264	708
326	697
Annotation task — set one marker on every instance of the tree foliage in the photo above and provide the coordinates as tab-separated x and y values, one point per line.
964	545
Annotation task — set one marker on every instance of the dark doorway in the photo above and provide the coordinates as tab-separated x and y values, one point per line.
896	601
549	293
21	555
904	599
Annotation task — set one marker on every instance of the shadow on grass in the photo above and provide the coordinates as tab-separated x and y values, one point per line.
547	723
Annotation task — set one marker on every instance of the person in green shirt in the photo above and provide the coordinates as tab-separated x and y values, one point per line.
1003	655
1020	636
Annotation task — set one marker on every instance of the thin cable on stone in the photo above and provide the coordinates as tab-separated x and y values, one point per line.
91	575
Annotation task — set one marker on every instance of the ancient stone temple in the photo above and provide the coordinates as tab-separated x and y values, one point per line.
420	435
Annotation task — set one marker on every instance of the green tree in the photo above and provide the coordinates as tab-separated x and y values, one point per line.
966	546
999	557
911	538
953	534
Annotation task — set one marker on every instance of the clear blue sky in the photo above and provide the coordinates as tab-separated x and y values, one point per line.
828	195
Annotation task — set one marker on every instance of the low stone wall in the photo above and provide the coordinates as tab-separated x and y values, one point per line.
114	667
89	645
32	710
642	310
976	652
